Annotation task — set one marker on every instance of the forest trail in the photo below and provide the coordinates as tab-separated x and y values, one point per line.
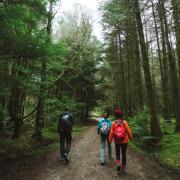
84	164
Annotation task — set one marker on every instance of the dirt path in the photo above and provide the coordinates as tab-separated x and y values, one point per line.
84	164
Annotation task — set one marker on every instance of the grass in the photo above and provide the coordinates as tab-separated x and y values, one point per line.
78	129
136	148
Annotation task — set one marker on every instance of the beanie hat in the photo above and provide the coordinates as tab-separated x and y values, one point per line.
118	111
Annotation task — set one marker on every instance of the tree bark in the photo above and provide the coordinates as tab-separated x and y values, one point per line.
42	95
122	84
17	98
173	70
164	73
176	16
117	75
14	111
138	75
130	71
155	127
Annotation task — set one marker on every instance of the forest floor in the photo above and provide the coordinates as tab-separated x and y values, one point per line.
84	164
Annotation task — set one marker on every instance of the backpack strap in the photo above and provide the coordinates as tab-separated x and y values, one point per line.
124	124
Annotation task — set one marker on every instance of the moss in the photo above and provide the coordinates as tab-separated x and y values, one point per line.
169	153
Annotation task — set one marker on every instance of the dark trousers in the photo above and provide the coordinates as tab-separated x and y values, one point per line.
65	143
121	150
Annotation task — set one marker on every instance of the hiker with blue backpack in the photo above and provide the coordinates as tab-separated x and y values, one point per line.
64	130
103	130
120	132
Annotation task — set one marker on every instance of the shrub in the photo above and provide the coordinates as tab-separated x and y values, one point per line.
140	126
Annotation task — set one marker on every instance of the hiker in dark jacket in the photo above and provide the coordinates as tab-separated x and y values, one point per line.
65	131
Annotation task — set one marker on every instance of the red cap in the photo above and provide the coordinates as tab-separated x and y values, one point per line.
118	111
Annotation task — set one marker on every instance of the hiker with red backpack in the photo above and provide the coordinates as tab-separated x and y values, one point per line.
103	130
120	132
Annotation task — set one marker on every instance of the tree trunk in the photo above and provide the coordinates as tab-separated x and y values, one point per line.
164	73
87	111
122	84
130	68
138	75
14	111
176	16
42	96
155	127
130	111
117	76
173	70
16	101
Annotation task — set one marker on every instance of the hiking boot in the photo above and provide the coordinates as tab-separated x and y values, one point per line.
123	168
102	163
66	158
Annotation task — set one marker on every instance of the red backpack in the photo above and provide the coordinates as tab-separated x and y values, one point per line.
119	131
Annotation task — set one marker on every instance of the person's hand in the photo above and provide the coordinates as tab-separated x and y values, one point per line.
132	140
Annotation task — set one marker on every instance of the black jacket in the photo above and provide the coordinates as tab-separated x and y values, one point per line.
60	128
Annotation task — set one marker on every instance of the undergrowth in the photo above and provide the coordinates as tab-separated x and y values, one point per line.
166	151
27	146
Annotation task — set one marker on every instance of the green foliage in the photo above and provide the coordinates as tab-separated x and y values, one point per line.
140	127
28	146
19	28
140	123
50	132
169	153
167	127
115	12
54	107
34	64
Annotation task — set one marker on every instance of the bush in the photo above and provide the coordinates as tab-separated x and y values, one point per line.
140	126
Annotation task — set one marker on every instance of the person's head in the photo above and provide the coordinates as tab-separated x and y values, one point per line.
66	109
106	115
118	113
